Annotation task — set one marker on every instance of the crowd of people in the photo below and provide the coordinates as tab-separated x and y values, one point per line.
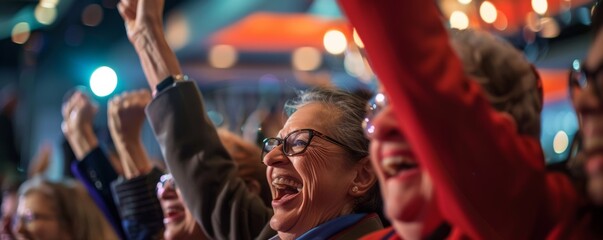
447	149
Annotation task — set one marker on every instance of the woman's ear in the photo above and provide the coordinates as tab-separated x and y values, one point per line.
365	178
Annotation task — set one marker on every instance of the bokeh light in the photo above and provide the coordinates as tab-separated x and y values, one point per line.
222	56
357	39
306	58
92	15
464	2
20	33
540	6
459	20
45	15
550	28
501	22
560	142
103	81
335	42
487	11
176	31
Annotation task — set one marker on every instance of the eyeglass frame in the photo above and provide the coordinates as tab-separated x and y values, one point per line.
584	77
163	181
282	142
373	107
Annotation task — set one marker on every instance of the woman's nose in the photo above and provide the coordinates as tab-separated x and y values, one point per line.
275	157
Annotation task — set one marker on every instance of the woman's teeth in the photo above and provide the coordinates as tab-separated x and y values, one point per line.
281	183
393	165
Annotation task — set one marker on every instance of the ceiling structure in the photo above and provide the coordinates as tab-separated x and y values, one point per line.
64	45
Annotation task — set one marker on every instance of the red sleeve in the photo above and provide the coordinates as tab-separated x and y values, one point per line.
489	180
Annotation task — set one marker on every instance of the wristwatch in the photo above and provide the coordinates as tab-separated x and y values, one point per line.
169	81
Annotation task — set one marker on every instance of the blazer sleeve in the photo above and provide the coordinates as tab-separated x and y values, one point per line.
96	174
489	179
203	170
140	210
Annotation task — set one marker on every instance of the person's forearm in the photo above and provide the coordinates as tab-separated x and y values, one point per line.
157	59
134	157
82	142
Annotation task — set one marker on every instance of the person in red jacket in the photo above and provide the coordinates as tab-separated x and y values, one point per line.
455	159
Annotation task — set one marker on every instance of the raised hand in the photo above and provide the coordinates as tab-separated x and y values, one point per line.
144	26
78	116
125	119
141	15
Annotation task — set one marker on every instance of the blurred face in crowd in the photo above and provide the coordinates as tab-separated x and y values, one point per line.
37	219
9	207
310	175
178	221
405	187
586	89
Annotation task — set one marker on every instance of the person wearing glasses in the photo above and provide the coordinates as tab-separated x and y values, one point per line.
455	136
58	210
586	88
320	176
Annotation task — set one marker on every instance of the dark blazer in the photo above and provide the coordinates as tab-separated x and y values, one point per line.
203	170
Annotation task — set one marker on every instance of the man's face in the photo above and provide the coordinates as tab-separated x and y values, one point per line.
588	103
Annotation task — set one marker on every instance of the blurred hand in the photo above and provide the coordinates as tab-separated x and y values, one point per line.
41	161
140	16
126	118
77	126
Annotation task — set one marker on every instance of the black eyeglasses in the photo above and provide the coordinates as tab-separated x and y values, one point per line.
165	181
298	141
580	77
374	106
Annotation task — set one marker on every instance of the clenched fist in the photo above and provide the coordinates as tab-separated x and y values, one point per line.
126	117
77	126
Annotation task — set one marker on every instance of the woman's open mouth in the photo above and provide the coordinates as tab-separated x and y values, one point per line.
395	165
285	189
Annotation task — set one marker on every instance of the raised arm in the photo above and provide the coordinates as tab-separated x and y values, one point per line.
201	167
489	179
93	168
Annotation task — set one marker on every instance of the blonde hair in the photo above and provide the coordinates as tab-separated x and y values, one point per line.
81	217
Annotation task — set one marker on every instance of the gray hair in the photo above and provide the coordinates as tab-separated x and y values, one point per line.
508	79
78	214
348	111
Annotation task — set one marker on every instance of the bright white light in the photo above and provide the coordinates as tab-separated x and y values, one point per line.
576	64
222	56
488	12
560	142
380	97
103	81
335	42
45	15
540	6
464	2
20	33
357	39
306	58
459	20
